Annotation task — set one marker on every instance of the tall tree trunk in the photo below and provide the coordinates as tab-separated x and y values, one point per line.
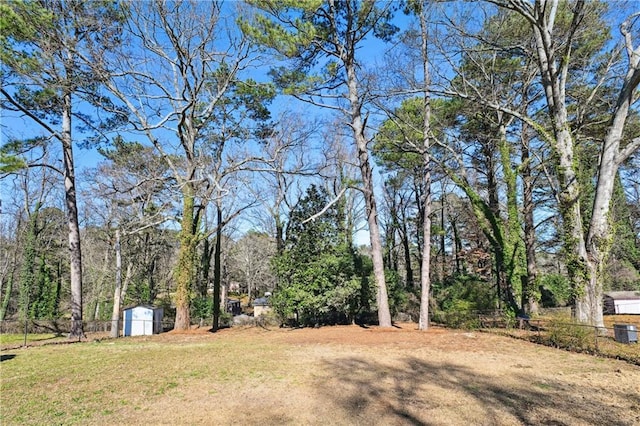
572	224
530	291
279	235
443	241
457	248
554	68
75	251
425	279
418	194
217	268
389	252
186	258
573	238
117	292
205	265
599	238
514	245
384	314
425	270
407	254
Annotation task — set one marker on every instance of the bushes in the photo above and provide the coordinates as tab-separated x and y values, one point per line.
322	279
397	292
555	290
566	334
202	308
458	314
460	300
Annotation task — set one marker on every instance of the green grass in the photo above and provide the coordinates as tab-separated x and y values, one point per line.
17	339
96	382
308	377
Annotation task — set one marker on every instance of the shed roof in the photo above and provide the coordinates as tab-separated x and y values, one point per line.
261	301
627	295
153	308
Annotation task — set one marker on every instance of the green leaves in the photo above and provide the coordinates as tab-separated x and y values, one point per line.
11	159
321	278
292	34
10	163
316	38
20	23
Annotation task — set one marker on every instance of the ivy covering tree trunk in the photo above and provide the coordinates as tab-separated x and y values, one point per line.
185	268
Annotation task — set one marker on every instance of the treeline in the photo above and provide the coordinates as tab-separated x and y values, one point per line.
488	152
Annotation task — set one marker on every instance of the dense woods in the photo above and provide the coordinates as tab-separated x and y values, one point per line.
355	159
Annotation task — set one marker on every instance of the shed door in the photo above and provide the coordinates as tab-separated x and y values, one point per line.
127	323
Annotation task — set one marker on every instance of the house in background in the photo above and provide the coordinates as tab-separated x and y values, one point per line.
261	305
622	302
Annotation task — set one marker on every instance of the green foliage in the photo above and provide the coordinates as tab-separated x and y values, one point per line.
563	333
556	290
398	294
202	307
321	279
11	152
623	266
49	50
325	288
479	294
10	163
461	299
398	143
225	319
45	296
241	110
20	22
139	292
288	41
308	31
28	273
40	280
460	314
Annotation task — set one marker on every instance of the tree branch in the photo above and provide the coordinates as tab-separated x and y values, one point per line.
327	207
29	114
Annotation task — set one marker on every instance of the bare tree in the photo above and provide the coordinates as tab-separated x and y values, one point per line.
285	162
186	59
250	262
130	199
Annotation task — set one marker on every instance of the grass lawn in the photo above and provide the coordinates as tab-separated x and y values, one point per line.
18	339
332	375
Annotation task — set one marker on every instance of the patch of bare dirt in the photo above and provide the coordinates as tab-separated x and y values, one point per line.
361	376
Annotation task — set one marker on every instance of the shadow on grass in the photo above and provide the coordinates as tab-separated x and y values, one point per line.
400	392
8	357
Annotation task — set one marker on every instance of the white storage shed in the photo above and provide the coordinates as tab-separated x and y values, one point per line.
142	320
622	302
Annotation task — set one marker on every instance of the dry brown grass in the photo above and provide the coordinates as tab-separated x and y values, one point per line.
332	375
